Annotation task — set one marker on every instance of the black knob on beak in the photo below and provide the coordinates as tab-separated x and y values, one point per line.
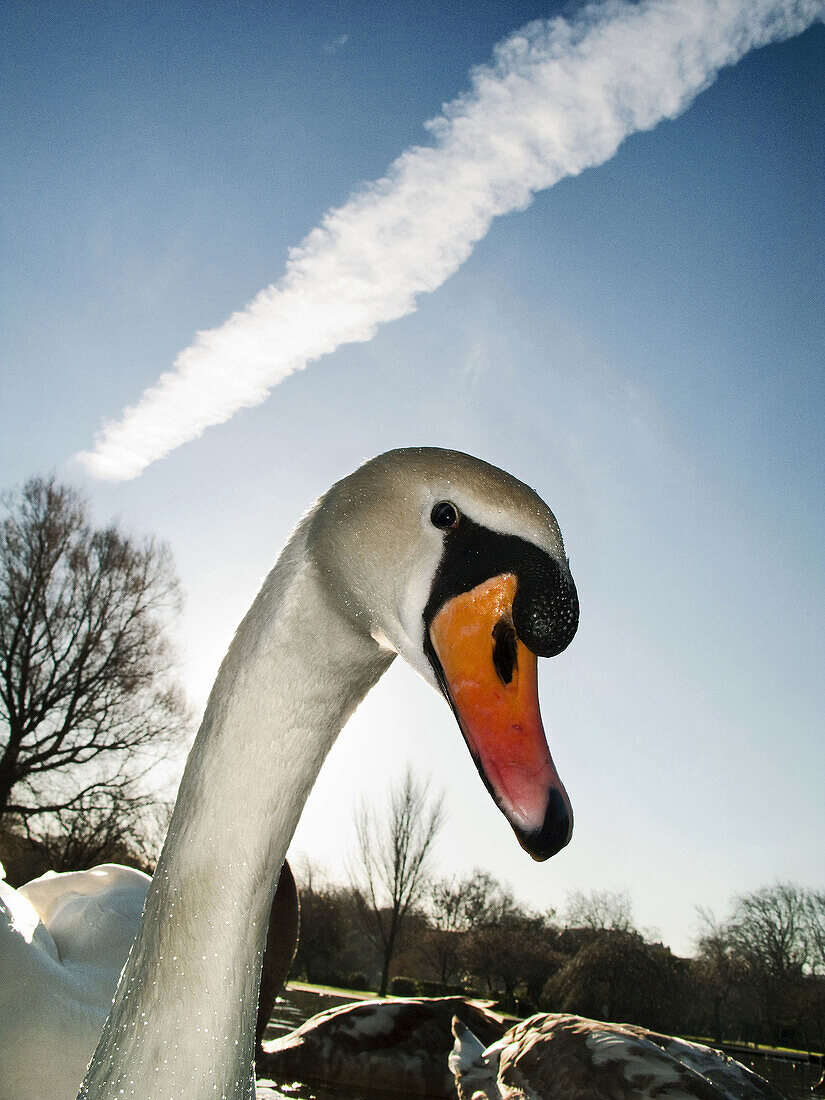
546	607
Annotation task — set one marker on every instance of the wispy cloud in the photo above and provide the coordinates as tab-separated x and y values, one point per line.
559	96
335	44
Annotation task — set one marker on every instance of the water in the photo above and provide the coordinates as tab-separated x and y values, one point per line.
793	1079
289	1013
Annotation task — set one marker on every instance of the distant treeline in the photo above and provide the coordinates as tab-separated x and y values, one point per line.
758	976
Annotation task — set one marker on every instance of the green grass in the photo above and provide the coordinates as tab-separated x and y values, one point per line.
333	991
757	1048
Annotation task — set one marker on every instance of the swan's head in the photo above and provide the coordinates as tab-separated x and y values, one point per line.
461	569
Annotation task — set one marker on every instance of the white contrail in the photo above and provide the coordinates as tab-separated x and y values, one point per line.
559	96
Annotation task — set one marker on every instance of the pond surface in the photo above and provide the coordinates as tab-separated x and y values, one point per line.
793	1079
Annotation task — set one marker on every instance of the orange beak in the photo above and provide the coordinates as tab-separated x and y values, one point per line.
491	680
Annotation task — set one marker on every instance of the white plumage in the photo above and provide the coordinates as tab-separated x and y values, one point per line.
63	941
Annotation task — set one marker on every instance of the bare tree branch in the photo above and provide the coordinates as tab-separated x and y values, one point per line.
600	909
86	679
389	870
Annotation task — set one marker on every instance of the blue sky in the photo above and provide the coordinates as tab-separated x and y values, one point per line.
644	344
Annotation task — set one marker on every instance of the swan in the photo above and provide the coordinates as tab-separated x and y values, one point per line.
429	553
395	1044
557	1055
63	941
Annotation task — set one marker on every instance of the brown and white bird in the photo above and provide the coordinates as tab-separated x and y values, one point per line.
395	1044
561	1057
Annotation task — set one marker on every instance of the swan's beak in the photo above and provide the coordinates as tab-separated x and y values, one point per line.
490	679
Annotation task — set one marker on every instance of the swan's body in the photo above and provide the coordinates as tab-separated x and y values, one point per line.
376	568
281	945
63	942
551	1056
396	1044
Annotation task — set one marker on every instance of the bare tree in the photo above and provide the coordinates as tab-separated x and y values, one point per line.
815	927
459	904
766	956
105	829
600	909
389	870
455	905
770	929
85	665
722	970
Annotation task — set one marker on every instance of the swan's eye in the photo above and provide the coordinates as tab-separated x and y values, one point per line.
444	515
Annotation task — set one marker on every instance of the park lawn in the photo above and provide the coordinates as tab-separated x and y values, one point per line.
754	1048
333	991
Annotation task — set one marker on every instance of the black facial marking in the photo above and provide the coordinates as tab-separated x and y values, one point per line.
504	651
546	606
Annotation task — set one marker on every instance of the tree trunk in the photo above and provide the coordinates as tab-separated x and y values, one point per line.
389	952
8	775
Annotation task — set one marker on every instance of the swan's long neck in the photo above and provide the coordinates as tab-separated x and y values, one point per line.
183	1018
